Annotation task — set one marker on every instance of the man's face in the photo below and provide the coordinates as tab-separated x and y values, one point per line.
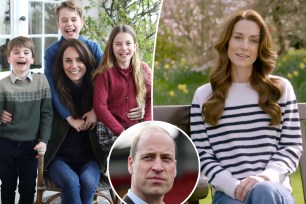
154	167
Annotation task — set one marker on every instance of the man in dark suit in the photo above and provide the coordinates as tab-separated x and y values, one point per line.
152	165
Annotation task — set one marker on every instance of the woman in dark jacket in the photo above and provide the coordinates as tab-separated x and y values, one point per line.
74	158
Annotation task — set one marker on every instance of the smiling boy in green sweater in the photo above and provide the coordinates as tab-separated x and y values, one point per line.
27	96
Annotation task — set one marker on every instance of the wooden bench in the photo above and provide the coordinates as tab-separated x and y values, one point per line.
179	115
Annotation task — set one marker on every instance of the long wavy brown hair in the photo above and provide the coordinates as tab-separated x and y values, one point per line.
63	82
269	89
109	61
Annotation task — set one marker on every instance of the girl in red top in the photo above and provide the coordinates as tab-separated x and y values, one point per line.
122	90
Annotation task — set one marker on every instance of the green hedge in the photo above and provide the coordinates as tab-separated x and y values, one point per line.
292	66
175	86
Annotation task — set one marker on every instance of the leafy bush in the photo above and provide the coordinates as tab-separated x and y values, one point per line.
142	15
292	66
175	85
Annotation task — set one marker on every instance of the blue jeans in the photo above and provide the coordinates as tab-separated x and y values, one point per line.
78	181
17	160
264	193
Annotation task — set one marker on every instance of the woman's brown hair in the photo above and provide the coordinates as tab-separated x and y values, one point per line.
269	89
62	81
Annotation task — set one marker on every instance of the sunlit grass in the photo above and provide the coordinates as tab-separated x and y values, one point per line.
176	86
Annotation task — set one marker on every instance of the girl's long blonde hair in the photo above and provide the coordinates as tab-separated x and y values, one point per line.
109	60
269	89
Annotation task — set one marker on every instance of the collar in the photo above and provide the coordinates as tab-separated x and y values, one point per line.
79	37
136	199
125	72
14	78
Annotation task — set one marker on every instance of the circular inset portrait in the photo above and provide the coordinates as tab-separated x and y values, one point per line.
153	162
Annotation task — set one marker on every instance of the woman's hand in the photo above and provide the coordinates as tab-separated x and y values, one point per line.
41	148
90	120
6	117
136	113
245	186
77	124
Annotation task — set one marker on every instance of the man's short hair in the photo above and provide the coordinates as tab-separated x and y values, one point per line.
145	130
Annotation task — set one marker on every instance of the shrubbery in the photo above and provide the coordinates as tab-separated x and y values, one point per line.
175	85
292	66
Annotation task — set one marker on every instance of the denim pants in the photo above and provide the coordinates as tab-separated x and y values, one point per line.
17	160
262	193
78	181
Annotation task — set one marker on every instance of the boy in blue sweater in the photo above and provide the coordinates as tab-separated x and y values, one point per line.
70	22
26	95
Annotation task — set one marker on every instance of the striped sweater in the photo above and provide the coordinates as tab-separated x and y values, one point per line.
30	104
243	144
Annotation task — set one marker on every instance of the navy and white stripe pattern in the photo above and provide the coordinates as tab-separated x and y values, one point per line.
243	144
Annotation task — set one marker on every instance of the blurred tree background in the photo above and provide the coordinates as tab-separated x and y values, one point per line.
142	15
188	30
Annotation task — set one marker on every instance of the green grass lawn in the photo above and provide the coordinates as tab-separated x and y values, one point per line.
296	185
176	87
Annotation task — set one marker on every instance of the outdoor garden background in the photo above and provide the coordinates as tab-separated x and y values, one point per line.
184	49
